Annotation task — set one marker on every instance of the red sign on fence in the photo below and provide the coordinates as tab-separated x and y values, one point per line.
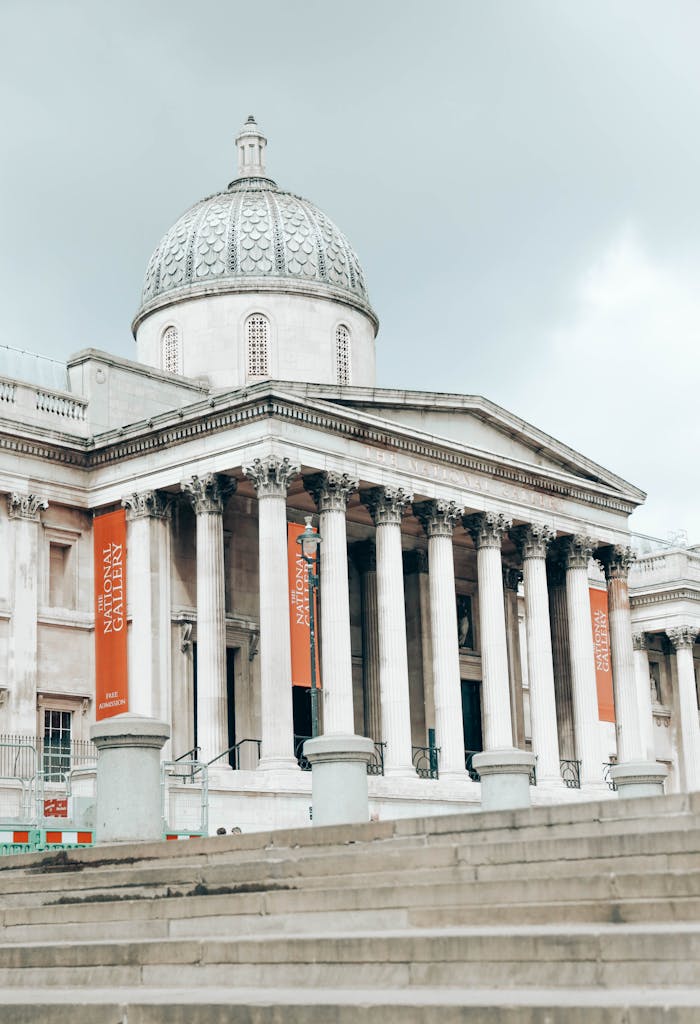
57	808
111	680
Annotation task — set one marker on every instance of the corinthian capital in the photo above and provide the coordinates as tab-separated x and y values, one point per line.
639	641
682	636
331	490
577	551
438	517
271	475
487	528
386	504
25	506
616	560
146	504
208	493
533	539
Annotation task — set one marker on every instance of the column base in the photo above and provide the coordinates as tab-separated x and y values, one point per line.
505	778
639	778
278	764
339	778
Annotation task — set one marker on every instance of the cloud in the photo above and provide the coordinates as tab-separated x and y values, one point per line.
622	375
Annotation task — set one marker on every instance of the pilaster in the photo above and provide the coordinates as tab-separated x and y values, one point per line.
24	511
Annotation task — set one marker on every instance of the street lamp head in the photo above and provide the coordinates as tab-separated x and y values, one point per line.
309	541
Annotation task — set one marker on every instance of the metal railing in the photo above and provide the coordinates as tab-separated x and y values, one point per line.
570	773
246	754
303	763
375	765
425	761
607	765
23	756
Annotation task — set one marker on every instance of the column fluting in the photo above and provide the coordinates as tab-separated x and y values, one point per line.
577	551
646	713
487	529
386	505
438	519
271	477
532	541
364	555
616	560
208	494
683	640
331	492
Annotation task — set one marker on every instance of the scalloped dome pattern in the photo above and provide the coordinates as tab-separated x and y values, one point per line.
252	232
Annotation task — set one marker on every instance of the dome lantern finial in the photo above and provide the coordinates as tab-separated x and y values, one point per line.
251	143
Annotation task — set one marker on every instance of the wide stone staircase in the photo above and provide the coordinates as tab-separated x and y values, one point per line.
574	914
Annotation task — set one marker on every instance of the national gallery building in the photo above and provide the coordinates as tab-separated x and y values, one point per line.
474	574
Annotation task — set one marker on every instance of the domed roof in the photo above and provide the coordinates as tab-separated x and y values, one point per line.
253	237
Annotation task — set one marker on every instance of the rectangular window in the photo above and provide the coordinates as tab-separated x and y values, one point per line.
56	744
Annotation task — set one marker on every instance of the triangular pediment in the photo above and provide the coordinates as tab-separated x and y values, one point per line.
474	424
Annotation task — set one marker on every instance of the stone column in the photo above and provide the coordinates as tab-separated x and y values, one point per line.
646	714
271	477
634	774
577	551
504	770
364	555
683	639
24	511
532	542
556	583
331	492
148	595
208	494
386	505
487	529
438	519
512	579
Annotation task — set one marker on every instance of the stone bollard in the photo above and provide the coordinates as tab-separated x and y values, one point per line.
505	778
339	778
639	778
128	778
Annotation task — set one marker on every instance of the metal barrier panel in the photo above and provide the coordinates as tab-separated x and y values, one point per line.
184	798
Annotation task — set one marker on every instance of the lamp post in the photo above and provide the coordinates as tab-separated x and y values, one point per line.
309	541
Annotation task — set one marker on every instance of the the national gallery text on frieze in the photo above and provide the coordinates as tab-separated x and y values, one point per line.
479	589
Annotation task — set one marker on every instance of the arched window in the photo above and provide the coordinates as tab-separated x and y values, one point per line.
171	350
342	354
258	335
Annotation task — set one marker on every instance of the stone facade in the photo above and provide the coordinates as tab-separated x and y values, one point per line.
459	545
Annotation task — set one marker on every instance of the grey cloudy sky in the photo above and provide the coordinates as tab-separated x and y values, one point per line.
519	177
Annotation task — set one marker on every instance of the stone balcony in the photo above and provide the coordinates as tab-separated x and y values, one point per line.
48	408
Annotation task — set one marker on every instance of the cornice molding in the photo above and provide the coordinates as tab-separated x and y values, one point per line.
663	597
214	416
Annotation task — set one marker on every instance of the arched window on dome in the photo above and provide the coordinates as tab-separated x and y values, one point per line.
170	350
342	354
258	345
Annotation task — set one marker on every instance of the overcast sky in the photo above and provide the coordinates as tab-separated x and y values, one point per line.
519	178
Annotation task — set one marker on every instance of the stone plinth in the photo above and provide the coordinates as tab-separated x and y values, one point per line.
639	778
505	778
339	778
128	778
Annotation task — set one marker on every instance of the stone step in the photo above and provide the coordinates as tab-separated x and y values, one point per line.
361	863
660	896
322	1006
588	955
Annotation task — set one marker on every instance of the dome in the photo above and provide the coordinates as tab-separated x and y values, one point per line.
253	237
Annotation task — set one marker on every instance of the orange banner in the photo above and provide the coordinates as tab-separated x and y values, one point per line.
601	647
299	625
111	679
